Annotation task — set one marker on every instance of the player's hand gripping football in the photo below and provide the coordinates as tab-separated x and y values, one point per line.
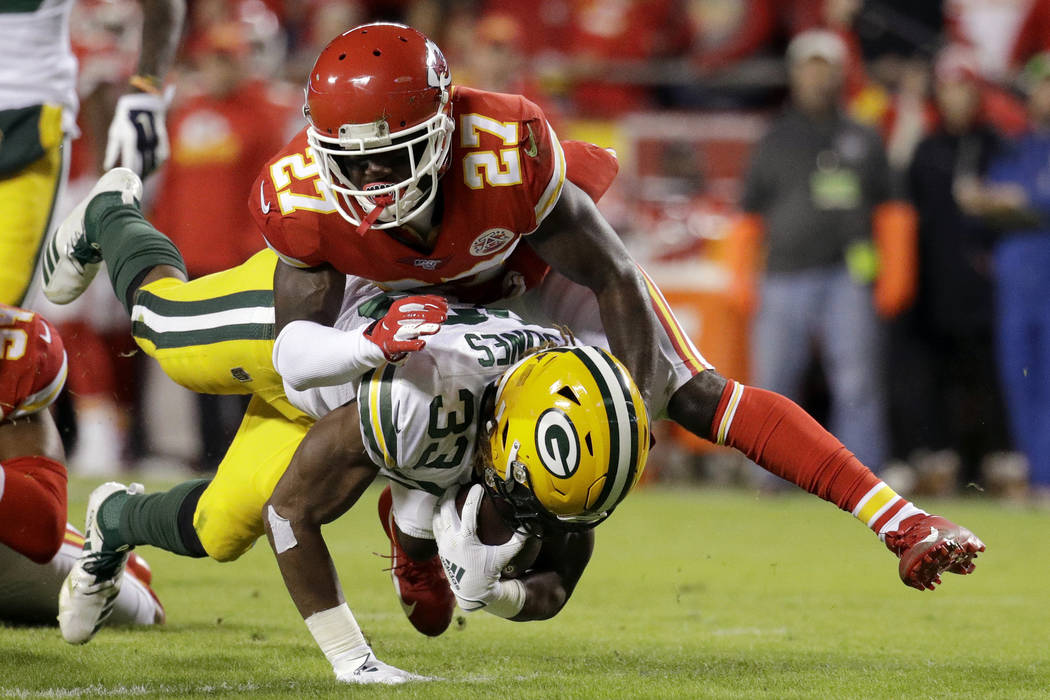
472	567
137	137
399	332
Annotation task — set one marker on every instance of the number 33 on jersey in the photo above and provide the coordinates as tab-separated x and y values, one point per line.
506	172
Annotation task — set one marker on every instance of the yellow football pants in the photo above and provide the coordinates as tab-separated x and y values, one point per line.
215	335
27	202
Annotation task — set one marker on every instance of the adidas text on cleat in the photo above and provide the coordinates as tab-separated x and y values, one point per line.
929	545
90	590
421	586
71	261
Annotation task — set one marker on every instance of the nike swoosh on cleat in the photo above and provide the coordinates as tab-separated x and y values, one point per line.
409	609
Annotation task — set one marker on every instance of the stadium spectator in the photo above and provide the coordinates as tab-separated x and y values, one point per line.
989	28
1016	197
208	178
611	47
939	402
816	191
496	61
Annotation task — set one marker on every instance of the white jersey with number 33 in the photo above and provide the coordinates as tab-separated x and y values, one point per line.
419	418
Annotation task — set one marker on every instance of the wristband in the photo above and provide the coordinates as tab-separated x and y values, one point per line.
337	633
508	600
146	83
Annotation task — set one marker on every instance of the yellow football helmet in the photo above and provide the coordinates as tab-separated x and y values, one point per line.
568	438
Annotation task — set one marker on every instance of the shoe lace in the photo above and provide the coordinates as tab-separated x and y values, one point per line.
910	531
410	571
86	252
103	565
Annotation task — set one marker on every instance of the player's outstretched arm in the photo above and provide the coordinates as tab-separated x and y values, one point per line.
577	241
326	476
308	354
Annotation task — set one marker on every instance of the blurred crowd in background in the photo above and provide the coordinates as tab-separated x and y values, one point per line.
828	192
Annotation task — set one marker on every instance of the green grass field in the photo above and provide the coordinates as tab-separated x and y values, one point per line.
691	593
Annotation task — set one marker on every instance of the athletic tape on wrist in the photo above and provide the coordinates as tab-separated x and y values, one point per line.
340	638
508	600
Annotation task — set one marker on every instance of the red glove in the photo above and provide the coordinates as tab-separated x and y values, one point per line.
397	333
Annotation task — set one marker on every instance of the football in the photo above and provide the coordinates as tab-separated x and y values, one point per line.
494	530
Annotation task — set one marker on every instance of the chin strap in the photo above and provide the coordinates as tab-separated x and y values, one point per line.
366	223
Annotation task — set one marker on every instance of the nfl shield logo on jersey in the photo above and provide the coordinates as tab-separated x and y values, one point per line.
490	241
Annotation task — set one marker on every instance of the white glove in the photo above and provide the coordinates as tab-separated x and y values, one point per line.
372	670
472	568
138	138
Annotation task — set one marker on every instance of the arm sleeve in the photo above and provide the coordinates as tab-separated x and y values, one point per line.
308	355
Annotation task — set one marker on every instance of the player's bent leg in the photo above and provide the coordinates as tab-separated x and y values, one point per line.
29	592
27	204
73	255
33	506
419	580
214	334
229	516
91	588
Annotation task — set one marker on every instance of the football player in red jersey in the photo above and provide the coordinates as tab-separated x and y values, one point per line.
37	546
402	178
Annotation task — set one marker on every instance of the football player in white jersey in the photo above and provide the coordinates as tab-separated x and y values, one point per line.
38	111
558	437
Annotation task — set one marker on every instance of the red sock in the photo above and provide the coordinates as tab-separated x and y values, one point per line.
779	436
33	506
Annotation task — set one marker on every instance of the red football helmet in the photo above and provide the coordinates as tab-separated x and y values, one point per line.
380	89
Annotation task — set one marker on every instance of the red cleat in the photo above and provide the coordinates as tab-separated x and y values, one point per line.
930	544
421	586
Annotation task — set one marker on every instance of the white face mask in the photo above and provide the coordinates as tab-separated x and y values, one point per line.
384	205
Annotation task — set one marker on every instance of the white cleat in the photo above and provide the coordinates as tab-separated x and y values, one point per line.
70	260
90	590
372	671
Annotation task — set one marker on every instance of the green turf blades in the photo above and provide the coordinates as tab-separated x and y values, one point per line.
690	594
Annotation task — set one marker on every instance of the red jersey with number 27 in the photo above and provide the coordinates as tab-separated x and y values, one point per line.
32	363
505	174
